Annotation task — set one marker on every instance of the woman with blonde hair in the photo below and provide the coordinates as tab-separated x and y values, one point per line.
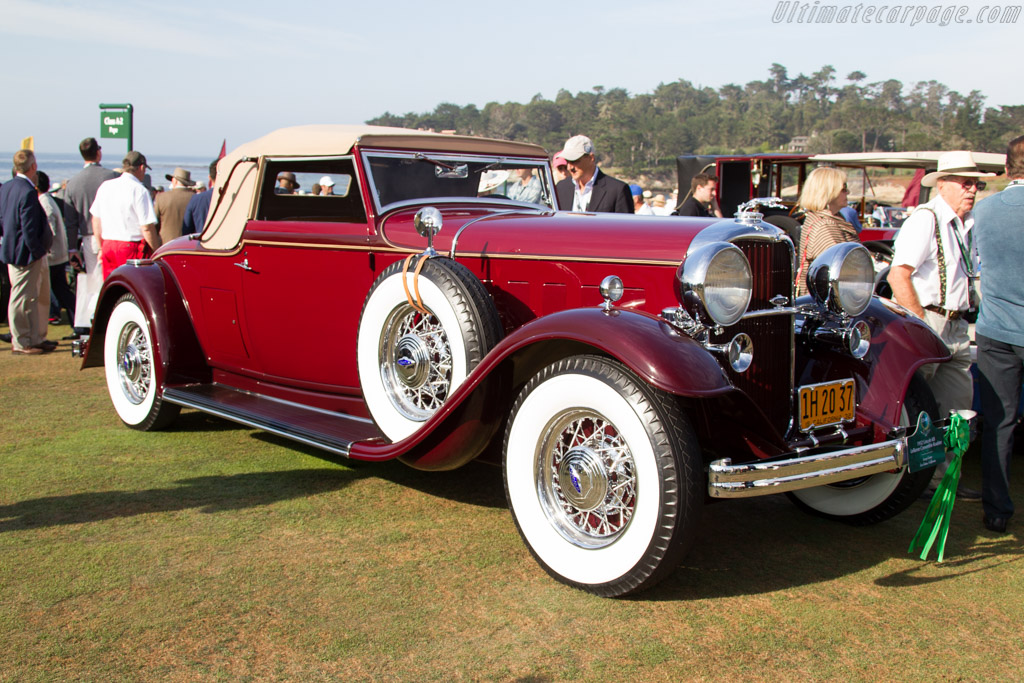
823	194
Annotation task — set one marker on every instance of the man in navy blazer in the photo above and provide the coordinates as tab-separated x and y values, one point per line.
26	239
587	188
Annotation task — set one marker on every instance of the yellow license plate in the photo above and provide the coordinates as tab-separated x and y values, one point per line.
826	404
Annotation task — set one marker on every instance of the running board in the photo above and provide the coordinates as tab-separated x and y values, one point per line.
334	432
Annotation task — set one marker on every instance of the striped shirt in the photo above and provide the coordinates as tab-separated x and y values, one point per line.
821	230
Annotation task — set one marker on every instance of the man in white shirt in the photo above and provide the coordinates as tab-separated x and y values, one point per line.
933	279
123	219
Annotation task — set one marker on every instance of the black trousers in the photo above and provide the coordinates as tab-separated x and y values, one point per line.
1000	373
60	289
5	292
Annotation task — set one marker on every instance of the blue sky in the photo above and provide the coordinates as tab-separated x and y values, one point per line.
200	72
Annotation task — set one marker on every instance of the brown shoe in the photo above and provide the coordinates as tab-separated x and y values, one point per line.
46	345
30	351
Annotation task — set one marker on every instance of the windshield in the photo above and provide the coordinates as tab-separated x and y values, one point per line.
398	177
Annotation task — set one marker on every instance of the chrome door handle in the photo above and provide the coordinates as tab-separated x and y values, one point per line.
244	265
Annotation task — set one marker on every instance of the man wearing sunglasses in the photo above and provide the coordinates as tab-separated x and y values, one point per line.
933	271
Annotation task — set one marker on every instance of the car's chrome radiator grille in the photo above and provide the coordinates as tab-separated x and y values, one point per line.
768	381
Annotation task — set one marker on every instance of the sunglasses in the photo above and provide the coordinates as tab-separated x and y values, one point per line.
968	183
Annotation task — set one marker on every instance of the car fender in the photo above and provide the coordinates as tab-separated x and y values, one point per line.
647	345
156	292
900	344
657	352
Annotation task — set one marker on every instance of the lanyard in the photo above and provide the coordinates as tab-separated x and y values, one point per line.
965	253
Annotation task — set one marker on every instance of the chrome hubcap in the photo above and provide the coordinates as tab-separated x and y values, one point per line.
412	363
586	479
583	479
135	366
416	362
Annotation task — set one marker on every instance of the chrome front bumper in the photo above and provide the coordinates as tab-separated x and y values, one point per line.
726	480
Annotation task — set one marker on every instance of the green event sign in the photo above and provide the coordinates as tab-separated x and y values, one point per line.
925	445
116	124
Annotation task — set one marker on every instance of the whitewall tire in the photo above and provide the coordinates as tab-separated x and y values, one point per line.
602	475
411	362
134	379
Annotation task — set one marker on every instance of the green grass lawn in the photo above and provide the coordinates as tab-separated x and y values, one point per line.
212	551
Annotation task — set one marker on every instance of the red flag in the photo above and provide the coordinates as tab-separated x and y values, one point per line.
223	149
912	197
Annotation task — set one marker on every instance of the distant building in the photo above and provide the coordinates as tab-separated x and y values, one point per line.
798	145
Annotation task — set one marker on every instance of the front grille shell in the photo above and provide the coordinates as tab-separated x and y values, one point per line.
768	382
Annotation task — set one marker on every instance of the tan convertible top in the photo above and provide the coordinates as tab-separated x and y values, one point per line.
327	140
224	225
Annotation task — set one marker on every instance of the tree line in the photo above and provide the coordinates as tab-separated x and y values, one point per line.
643	133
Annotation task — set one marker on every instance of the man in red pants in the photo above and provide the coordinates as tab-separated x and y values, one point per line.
123	219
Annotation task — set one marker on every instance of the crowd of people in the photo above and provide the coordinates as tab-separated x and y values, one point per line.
110	217
99	220
935	273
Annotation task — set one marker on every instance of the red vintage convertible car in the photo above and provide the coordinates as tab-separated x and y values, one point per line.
625	370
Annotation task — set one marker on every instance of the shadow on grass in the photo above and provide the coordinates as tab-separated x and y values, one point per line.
209	494
476	483
1005	551
761	545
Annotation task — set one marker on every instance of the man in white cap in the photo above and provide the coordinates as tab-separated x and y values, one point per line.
326	185
588	188
932	274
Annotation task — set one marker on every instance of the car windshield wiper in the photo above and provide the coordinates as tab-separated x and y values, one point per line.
444	170
500	162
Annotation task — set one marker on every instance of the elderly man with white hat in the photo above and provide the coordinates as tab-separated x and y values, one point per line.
933	272
588	188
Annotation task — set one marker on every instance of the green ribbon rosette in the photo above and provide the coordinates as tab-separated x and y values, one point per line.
935	525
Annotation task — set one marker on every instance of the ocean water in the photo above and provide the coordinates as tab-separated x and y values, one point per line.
60	167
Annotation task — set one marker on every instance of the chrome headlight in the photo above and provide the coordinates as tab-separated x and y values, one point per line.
842	278
715	279
611	290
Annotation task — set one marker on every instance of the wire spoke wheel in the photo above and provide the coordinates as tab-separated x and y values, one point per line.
587	476
602	475
133	370
412	358
416	362
135	367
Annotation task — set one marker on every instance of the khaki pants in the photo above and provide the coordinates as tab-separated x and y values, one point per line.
951	382
29	309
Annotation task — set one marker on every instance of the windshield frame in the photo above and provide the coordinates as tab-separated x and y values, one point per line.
541	166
